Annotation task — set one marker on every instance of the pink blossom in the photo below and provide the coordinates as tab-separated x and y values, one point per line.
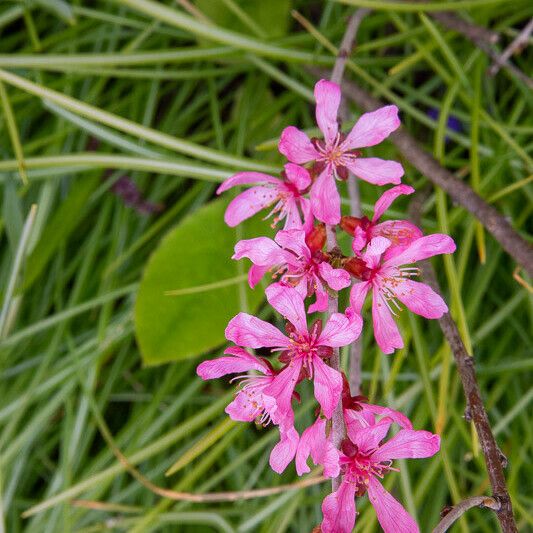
316	443
399	232
364	460
295	263
303	350
337	153
250	402
285	194
389	280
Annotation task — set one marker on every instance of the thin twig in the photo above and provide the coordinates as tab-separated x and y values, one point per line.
473	32
347	44
338	426
483	39
474	403
460	509
193	497
458	190
520	40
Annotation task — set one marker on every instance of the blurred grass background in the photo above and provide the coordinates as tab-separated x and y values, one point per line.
118	120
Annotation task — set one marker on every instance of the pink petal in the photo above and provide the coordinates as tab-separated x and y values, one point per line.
358	295
395	416
339	331
325	199
336	278
293	240
239	361
244	408
388	197
248	203
314	443
373	127
392	517
376	171
357	420
408	444
360	240
301	287
339	510
288	303
244	178
282	387
328	99
298	176
375	249
422	248
328	386
291	213
321	302
296	146
255	274
305	206
283	453
250	331
367	439
261	251
401	233
385	329
420	298
311	437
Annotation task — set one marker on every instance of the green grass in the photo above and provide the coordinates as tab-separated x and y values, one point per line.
177	105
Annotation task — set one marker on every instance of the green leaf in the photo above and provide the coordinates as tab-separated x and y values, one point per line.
191	287
271	17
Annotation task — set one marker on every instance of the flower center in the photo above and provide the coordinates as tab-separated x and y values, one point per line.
304	346
358	467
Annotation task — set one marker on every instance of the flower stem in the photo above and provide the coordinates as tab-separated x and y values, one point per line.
338	426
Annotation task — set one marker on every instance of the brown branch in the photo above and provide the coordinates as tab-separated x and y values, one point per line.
346	47
458	190
193	497
460	509
483	39
338	425
474	403
479	35
520	40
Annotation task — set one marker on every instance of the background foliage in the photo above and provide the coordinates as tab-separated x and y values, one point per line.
202	100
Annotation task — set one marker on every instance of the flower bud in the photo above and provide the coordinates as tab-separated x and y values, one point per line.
316	238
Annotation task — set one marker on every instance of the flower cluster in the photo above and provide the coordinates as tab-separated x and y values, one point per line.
304	277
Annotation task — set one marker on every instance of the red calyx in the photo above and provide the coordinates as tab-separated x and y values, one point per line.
349	401
357	268
349	448
316	238
350	224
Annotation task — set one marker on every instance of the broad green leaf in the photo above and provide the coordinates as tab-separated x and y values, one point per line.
191	287
271	17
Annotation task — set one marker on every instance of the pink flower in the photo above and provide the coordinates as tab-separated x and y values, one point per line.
286	194
390	282
363	461
295	263
303	350
316	443
337	154
399	232
250	402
